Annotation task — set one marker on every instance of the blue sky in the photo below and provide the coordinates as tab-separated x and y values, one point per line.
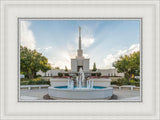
103	41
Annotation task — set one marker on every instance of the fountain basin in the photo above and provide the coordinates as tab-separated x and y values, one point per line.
97	92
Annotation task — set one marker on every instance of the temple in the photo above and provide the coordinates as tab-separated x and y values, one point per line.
80	61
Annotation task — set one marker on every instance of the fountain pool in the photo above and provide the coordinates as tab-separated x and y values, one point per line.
80	89
66	87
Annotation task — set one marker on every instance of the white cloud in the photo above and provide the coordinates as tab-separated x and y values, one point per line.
62	64
86	55
27	38
111	58
43	50
51	63
48	47
62	59
86	42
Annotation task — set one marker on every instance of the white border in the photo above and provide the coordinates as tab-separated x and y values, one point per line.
149	109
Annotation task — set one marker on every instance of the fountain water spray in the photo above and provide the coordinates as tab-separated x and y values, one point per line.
79	80
90	84
70	83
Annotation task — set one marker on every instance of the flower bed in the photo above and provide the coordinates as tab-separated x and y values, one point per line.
61	77
90	77
36	81
99	77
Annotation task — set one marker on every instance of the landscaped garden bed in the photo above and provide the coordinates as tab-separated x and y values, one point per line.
36	81
124	81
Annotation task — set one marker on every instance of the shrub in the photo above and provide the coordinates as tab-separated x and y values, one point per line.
60	74
98	74
36	81
38	76
120	82
30	82
22	79
124	81
127	83
137	80
66	74
113	82
93	74
133	82
23	82
48	82
137	84
41	82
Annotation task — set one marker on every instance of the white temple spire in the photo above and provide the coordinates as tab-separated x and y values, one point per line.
79	38
79	51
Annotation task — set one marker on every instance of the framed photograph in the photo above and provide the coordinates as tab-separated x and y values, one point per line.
70	76
87	60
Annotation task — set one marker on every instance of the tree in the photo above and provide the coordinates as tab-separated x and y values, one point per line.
129	65
31	62
94	67
98	74
66	69
57	68
45	68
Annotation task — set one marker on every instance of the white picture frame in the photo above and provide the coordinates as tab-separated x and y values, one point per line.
12	109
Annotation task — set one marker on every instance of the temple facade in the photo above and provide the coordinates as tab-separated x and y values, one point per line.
79	61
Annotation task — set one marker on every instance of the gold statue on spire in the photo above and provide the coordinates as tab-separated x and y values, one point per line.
79	28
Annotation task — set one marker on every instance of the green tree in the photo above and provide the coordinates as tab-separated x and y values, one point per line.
98	74
94	67
57	68
45	68
129	65
31	62
66	69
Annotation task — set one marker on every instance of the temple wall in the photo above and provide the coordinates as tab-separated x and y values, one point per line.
73	65
86	65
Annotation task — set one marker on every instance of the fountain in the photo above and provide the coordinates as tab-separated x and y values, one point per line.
80	88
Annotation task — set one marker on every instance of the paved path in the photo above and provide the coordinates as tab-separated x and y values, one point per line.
122	94
39	93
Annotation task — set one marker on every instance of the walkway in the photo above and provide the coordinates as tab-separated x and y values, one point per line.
122	94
